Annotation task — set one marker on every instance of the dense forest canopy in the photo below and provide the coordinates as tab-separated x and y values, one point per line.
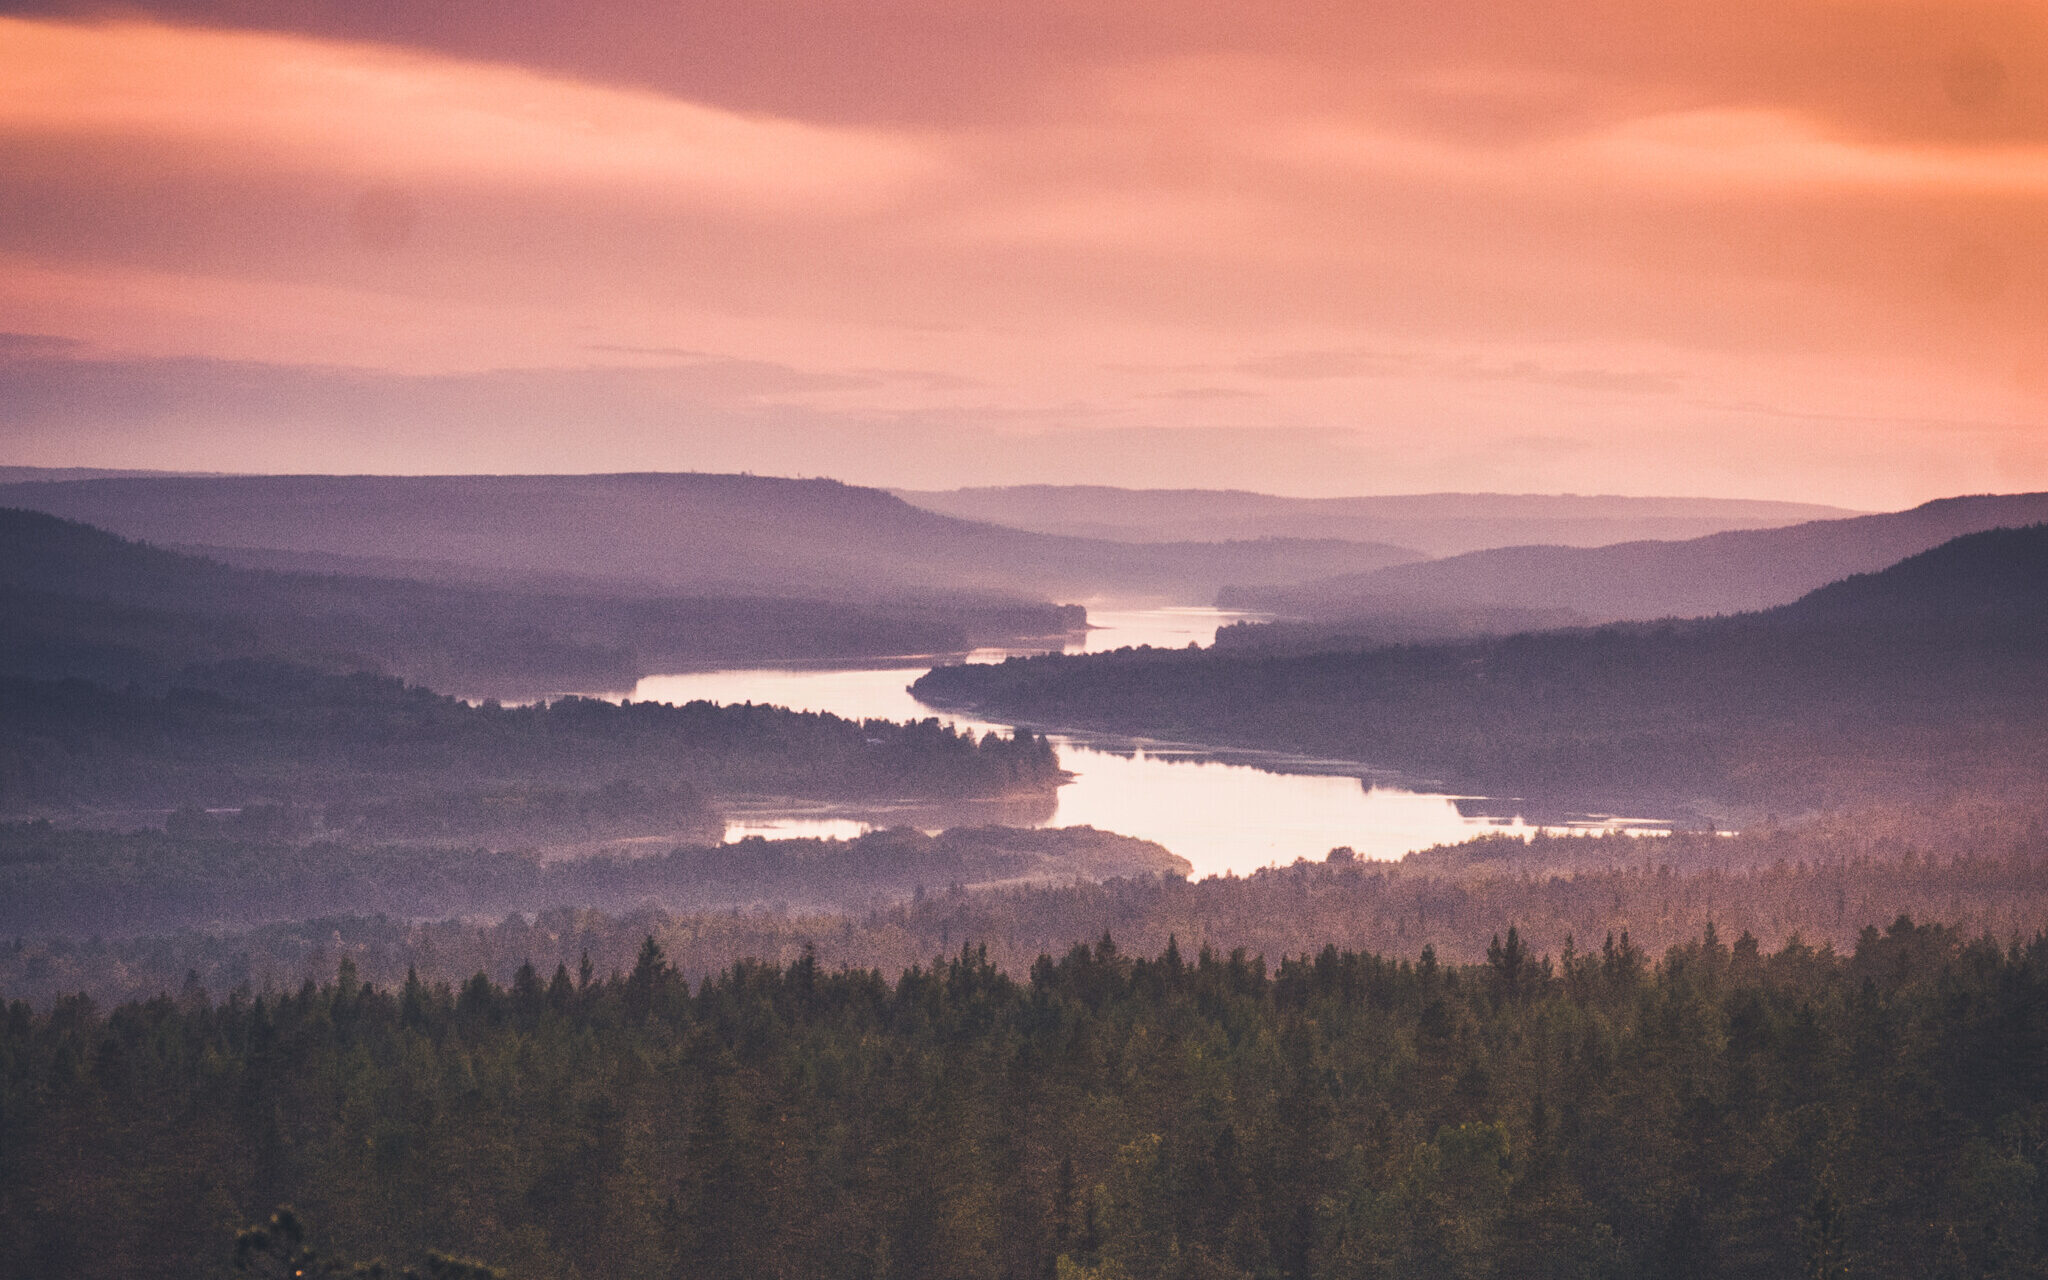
1718	1111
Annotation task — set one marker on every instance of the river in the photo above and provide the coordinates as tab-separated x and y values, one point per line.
1225	811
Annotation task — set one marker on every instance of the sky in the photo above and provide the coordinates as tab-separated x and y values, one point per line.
1758	248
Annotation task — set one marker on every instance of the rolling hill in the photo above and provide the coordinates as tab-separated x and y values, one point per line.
1729	572
669	533
1999	576
1927	679
1439	524
82	602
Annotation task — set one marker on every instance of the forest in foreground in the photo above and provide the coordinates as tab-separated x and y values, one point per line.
1719	1111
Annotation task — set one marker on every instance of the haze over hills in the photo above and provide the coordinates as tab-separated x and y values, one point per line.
726	534
1999	576
214	872
1439	524
79	601
1929	679
1728	572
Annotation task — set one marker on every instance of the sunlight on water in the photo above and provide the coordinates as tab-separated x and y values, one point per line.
1218	809
1160	628
858	695
1234	817
796	828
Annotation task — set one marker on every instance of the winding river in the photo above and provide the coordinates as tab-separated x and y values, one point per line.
1225	811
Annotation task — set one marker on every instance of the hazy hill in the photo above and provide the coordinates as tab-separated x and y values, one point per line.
89	882
1722	573
1438	524
1930	678
79	601
1376	630
1997	576
724	534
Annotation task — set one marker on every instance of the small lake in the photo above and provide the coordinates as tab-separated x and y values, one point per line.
1223	810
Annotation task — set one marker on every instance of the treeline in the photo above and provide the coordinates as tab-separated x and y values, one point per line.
77	601
1389	626
55	882
502	817
1721	1111
1928	679
253	732
1822	884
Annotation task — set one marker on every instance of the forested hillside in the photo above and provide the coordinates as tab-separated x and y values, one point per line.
258	733
1721	1111
78	601
1928	679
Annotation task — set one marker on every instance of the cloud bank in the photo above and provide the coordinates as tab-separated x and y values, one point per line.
1793	250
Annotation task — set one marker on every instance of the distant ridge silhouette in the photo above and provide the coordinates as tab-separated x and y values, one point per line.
1997	574
756	535
1723	573
77	601
1437	523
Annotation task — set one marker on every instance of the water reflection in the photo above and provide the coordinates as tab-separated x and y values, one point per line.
1175	628
1223	810
786	828
786	817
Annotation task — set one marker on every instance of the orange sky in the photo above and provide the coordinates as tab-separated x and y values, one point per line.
1768	248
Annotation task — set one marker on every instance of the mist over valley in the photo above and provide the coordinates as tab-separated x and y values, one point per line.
838	641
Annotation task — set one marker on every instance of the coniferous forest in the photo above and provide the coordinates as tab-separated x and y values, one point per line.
1717	1110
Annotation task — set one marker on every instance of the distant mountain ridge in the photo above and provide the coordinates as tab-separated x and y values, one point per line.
1436	523
699	533
1733	572
77	601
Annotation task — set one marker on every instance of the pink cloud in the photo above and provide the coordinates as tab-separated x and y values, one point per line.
1710	228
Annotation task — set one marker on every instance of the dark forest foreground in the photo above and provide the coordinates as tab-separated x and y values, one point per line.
1720	1112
